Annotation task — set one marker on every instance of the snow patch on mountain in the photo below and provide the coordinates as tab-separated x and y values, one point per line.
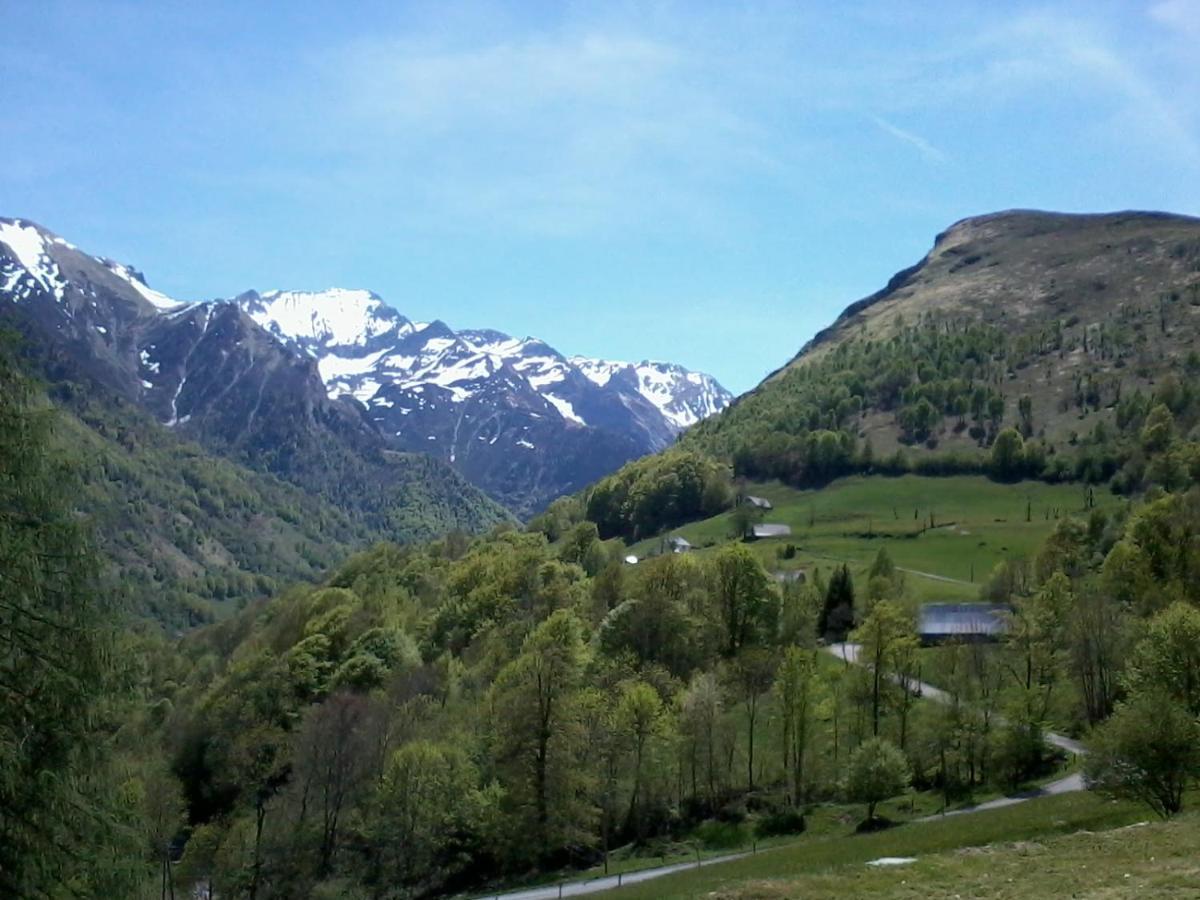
598	371
565	409
682	397
158	300
334	367
337	317
28	246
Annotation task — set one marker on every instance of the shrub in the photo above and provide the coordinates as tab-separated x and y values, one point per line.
720	835
785	821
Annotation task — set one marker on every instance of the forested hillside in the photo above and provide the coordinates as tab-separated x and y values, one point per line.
432	717
187	401
190	534
186	532
1067	329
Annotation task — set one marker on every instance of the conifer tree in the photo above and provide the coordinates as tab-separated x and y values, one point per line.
64	827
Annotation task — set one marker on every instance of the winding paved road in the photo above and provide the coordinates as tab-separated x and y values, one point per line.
848	653
608	882
1067	785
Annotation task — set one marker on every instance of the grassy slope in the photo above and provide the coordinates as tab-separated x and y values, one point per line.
1020	270
978	523
1161	857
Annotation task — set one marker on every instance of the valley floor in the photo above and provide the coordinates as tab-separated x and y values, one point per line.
945	533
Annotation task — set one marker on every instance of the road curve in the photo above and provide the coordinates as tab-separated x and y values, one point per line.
849	654
608	882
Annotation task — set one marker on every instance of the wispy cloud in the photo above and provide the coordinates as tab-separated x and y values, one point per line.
1181	15
926	149
553	135
1034	53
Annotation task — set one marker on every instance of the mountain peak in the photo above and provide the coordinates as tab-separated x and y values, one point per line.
321	320
514	415
476	396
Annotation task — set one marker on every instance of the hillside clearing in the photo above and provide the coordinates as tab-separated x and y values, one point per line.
947	533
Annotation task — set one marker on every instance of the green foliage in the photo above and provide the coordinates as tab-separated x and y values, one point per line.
1148	751
888	643
721	835
775	824
745	602
1167	659
1159	429
796	692
428	801
877	770
539	737
1008	455
658	492
1155	563
68	826
837	613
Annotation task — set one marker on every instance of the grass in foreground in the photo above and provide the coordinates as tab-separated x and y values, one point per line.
839	863
1140	860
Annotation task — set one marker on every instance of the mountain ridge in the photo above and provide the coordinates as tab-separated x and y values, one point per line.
514	416
1063	326
519	418
208	374
961	229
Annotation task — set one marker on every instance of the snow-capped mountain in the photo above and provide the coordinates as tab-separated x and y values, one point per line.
264	374
516	416
209	373
683	397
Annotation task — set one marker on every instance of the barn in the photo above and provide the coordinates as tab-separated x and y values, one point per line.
940	623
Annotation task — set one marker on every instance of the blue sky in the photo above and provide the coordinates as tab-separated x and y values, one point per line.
706	183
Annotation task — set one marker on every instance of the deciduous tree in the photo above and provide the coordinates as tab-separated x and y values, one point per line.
1148	751
877	770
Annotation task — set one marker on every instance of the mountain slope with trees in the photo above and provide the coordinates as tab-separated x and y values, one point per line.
212	455
1069	330
211	374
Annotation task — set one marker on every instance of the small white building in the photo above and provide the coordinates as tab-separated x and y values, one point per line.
757	502
679	544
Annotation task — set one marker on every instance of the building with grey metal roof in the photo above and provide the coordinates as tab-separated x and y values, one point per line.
939	623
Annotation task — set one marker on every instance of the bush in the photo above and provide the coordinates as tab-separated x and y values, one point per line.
720	835
878	770
785	821
733	813
1149	751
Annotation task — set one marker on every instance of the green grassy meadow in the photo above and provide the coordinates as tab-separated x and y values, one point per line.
976	523
1050	847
